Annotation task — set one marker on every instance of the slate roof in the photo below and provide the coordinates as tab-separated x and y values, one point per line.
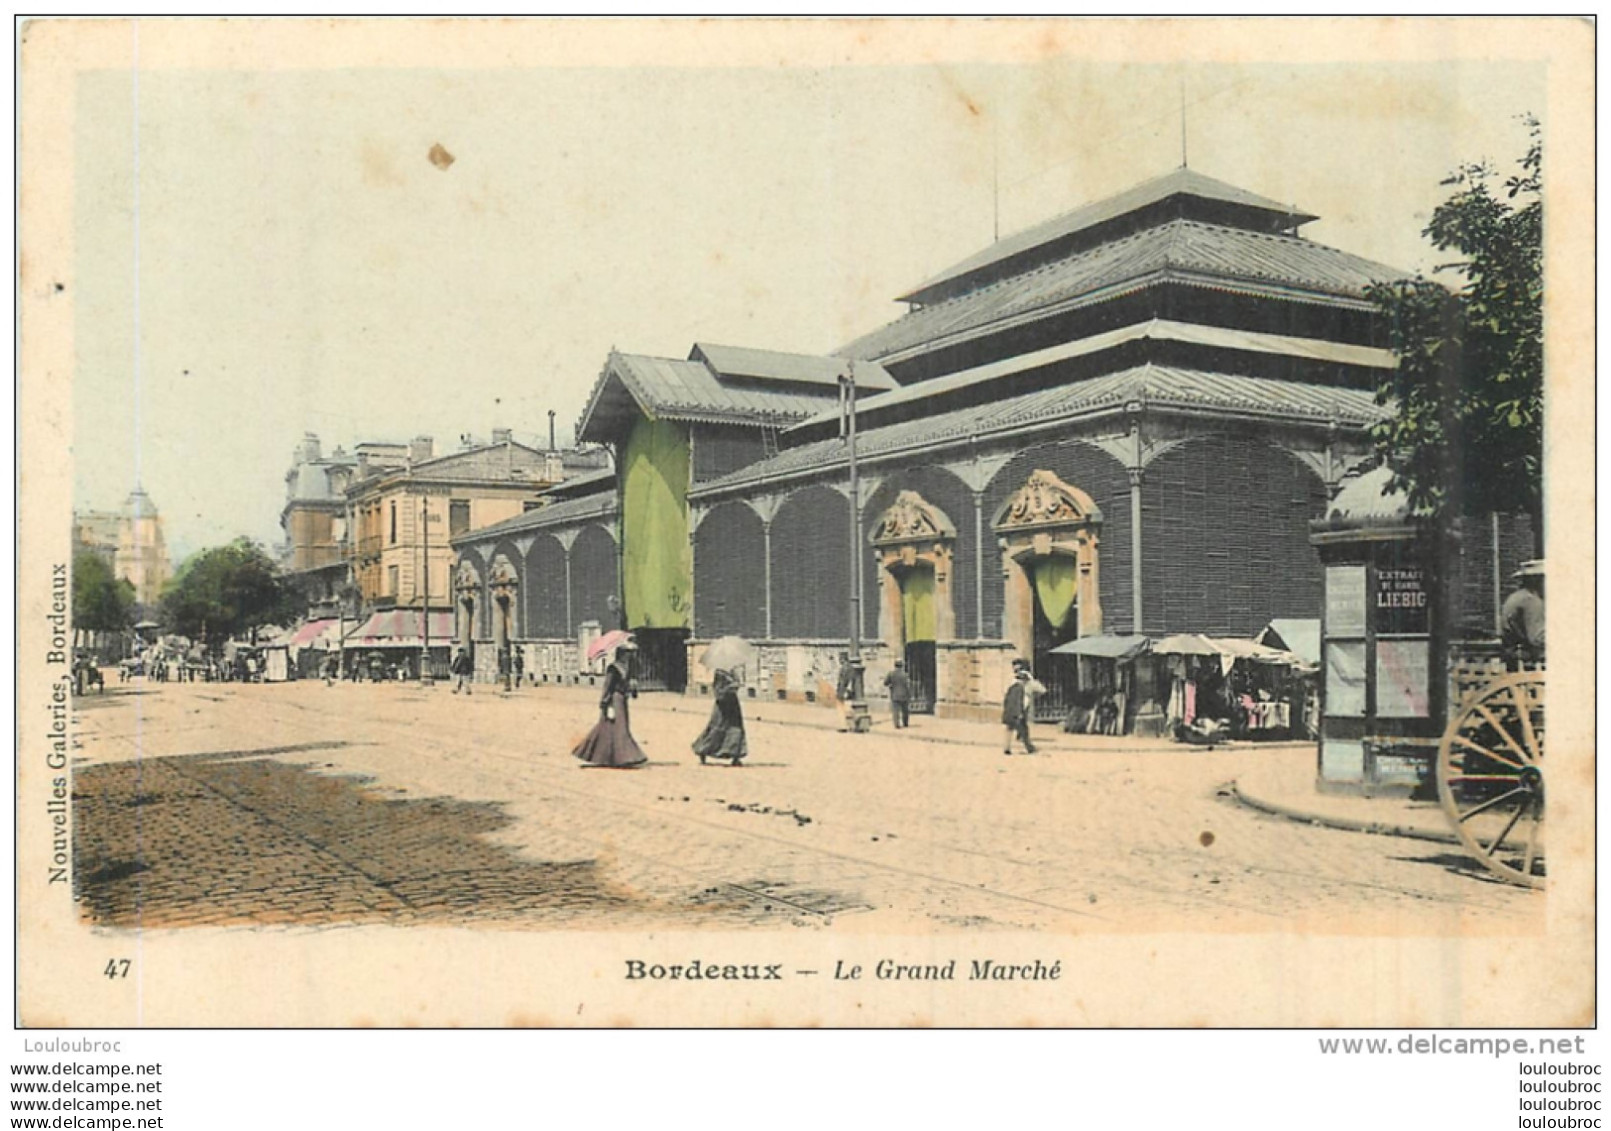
1365	503
1195	391
1156	329
692	390
568	513
798	368
1188	251
1179	183
487	462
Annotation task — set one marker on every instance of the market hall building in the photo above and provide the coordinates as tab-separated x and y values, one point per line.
1121	421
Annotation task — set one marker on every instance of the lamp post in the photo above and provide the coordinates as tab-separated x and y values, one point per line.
861	720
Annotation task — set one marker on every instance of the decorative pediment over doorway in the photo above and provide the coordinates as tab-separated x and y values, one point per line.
912	518
1050	535
913	542
1046	501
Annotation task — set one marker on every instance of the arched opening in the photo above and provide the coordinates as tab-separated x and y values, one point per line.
1049	533
914	543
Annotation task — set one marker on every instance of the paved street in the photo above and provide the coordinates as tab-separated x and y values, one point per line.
302	804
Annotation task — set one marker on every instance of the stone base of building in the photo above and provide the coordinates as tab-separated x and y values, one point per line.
971	676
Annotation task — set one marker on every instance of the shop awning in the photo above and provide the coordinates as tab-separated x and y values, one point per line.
310	633
1105	647
400	628
1187	644
1300	637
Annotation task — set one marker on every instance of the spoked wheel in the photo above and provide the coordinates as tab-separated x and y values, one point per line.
1491	776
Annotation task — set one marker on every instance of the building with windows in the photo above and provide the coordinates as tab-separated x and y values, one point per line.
131	541
1121	421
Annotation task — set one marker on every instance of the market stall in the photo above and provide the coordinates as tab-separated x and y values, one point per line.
1106	700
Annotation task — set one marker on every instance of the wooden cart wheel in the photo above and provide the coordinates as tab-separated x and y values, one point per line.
1491	776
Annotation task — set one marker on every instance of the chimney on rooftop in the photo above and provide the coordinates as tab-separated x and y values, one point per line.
502	436
551	445
420	449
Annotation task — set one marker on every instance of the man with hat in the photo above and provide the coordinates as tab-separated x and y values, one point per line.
1018	704
900	695
1522	617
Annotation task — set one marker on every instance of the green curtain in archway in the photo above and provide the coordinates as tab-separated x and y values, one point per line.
1054	585
657	559
917	604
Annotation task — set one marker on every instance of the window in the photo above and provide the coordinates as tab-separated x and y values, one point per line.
394	525
458	517
391	581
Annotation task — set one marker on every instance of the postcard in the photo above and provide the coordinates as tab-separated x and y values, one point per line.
806	523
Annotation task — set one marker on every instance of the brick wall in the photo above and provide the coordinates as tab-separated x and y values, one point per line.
543	588
811	567
1106	481
594	577
729	573
944	490
1225	538
1473	570
720	450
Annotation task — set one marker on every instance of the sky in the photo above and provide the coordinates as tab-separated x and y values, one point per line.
261	253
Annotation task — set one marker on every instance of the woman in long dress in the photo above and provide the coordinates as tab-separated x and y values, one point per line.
610	742
723	736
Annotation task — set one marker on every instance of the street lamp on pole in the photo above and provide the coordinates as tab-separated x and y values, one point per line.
861	720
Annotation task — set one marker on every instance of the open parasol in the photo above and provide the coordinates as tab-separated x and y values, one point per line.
728	652
608	643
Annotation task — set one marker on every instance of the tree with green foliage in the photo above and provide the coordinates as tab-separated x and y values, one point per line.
102	602
226	591
1466	435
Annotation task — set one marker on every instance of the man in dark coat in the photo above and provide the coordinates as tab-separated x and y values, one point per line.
462	667
900	695
1015	707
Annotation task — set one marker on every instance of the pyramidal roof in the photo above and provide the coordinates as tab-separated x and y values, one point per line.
1181	193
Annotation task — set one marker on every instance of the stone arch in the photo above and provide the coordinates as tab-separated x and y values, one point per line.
1048	521
1105	483
913	537
730	572
545	589
942	488
811	566
1225	536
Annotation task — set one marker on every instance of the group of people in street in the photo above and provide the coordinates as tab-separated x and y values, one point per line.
610	743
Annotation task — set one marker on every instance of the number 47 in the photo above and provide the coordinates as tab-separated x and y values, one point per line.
117	968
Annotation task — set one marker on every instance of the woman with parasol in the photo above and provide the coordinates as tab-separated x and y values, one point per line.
723	736
610	742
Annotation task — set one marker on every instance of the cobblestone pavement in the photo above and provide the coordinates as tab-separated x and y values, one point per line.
298	803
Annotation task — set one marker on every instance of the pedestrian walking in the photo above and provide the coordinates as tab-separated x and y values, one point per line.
610	742
461	667
520	664
332	668
1016	706
723	736
900	695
